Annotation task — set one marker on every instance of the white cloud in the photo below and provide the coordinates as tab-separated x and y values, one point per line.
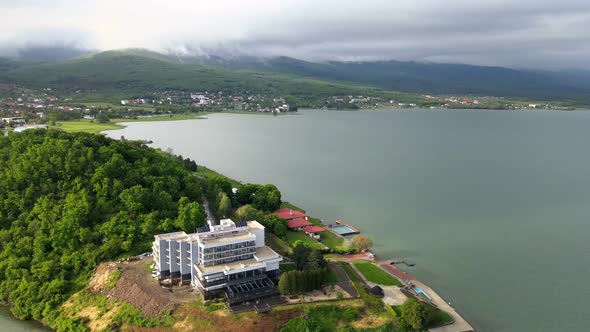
540	32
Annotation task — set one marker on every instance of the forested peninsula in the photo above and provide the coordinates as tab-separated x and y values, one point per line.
69	201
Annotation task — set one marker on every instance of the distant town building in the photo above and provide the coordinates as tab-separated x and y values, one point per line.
230	257
14	121
23	128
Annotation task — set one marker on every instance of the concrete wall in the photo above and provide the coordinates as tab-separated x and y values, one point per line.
174	260
259	237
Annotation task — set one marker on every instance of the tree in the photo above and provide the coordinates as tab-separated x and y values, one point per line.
248	212
280	229
416	314
315	260
284	286
245	194
102	118
300	254
362	243
276	225
224	208
267	198
190	215
222	183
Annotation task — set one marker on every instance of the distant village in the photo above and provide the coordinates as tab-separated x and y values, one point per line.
44	106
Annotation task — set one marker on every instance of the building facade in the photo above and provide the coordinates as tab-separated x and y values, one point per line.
230	257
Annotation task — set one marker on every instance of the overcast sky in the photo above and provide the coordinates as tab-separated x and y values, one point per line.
516	33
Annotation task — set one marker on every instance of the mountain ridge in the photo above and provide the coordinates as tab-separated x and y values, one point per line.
146	68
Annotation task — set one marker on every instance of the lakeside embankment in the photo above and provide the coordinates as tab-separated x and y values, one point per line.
458	324
426	185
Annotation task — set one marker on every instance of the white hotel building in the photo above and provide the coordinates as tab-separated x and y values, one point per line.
230	257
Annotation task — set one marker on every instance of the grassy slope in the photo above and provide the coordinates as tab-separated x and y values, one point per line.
376	275
90	126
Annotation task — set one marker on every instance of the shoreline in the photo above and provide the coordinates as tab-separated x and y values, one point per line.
118	123
459	323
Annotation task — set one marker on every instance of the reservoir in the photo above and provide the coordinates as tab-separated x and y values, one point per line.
493	206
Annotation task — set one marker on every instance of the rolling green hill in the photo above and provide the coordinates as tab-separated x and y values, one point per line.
431	78
139	70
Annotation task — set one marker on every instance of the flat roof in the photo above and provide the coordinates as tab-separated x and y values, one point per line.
245	264
262	254
253	224
172	236
223	239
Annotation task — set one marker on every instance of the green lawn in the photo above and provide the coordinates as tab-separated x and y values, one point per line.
91	126
332	277
312	243
170	117
375	274
440	318
278	245
291	206
205	172
350	272
85	126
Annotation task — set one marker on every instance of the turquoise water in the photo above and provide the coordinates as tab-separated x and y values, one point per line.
423	293
341	229
492	206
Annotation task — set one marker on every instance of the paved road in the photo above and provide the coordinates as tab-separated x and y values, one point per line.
210	215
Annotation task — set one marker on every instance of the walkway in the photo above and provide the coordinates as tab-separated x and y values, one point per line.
459	325
210	215
396	272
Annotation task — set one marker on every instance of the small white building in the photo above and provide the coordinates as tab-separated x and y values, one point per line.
14	121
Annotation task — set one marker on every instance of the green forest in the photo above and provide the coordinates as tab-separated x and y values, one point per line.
69	201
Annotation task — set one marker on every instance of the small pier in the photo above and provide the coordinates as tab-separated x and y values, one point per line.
402	261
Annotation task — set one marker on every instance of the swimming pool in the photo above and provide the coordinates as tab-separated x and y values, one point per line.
419	291
343	230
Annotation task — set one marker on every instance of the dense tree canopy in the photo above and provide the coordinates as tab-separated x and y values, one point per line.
416	314
68	201
262	197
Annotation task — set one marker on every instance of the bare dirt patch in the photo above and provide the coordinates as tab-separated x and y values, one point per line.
136	287
197	318
326	293
370	322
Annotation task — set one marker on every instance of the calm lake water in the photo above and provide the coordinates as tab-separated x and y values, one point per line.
9	324
493	206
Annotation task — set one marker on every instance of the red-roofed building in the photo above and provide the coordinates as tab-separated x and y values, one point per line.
298	224
289	214
314	231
